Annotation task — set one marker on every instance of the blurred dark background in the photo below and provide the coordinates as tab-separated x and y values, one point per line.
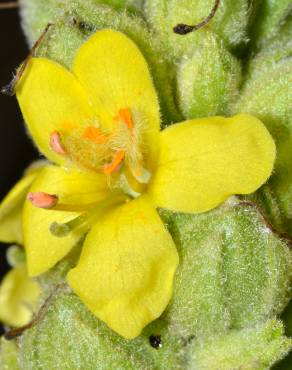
16	149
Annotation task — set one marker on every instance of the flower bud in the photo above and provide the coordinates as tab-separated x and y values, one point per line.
268	21
208	80
230	22
251	348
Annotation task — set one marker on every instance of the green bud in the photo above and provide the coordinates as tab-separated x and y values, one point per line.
270	17
239	274
208	80
248	349
280	47
36	14
230	21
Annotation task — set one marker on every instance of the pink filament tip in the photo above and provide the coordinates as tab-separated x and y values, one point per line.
42	200
55	143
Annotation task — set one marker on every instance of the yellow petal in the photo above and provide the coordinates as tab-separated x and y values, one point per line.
115	74
204	161
11	208
126	269
51	99
44	249
18	297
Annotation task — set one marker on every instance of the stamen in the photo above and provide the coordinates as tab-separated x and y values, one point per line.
183	29
42	200
88	147
63	229
116	163
83	221
126	116
55	143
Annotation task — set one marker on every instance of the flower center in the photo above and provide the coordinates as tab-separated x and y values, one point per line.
120	151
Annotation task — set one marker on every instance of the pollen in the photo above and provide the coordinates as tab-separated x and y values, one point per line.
88	147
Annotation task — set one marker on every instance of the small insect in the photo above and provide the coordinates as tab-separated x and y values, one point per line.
155	341
183	29
10	88
83	26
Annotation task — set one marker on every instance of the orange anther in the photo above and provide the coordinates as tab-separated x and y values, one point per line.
94	134
115	164
126	116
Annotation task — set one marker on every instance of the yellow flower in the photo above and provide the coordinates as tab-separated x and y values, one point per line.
100	124
18	297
